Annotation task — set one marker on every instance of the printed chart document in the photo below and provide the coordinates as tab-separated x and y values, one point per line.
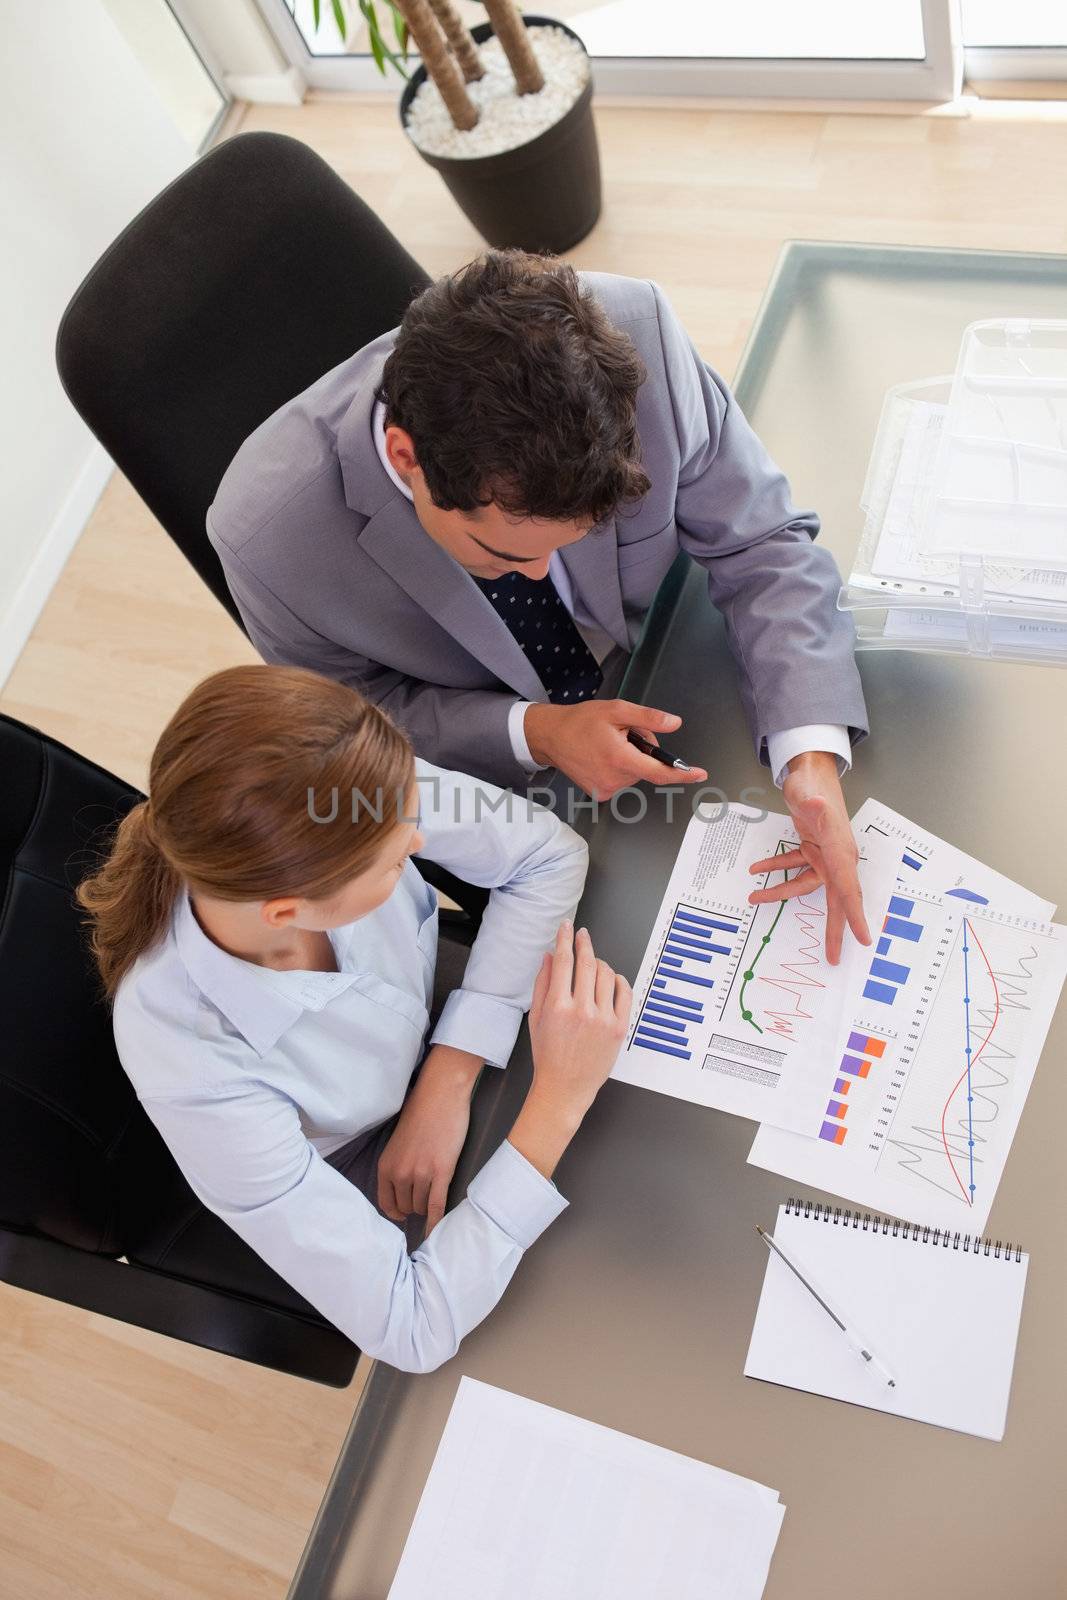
735	1005
530	1503
942	1044
925	859
942	1317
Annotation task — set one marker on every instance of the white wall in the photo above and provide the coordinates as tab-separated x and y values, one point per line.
84	143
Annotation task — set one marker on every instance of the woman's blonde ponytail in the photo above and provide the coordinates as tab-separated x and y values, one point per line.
130	898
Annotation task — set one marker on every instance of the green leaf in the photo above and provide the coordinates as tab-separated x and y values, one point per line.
373	34
316	12
379	49
400	28
339	18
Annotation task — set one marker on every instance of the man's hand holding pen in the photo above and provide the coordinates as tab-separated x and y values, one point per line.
590	743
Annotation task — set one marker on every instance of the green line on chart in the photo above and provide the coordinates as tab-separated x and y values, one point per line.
764	942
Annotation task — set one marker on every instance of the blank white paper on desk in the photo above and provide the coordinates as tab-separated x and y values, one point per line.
943	1320
524	1502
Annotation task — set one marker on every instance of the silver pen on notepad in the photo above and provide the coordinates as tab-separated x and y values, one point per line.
857	1343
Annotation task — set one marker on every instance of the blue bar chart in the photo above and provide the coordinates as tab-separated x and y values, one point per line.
680	992
901	932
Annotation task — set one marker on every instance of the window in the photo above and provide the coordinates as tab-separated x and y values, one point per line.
177	72
1021	44
822	49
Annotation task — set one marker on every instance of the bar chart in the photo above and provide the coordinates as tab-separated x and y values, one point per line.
696	945
901	931
863	1051
735	1004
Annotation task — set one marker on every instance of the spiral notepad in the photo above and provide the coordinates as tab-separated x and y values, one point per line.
941	1309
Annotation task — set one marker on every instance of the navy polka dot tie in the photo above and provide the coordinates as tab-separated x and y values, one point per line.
546	633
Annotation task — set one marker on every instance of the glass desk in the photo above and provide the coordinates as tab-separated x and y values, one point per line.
635	1308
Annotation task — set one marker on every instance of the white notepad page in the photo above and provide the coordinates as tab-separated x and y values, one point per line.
944	1321
524	1502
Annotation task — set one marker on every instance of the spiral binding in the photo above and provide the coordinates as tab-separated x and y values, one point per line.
921	1232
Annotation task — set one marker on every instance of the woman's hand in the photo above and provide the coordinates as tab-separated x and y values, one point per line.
416	1166
578	1020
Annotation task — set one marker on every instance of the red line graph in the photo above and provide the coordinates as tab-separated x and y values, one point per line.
794	979
969	929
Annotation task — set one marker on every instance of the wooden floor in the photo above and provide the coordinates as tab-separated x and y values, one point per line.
131	1465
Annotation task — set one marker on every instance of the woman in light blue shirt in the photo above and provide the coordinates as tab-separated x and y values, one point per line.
270	950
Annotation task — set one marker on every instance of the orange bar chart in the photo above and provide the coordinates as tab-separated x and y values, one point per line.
862	1051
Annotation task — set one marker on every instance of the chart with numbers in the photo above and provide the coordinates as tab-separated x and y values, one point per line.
736	1006
941	1051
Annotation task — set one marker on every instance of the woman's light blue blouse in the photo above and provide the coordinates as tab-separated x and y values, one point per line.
252	1075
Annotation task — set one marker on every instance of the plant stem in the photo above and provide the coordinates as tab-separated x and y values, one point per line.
439	63
515	43
463	46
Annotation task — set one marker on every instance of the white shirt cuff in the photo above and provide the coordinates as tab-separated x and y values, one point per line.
517	734
481	1024
782	747
518	1198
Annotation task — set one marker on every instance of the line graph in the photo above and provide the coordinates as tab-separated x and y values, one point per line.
973	1057
948	1130
746	1015
779	962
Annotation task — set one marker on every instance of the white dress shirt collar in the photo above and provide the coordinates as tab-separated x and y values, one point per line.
260	1002
377	425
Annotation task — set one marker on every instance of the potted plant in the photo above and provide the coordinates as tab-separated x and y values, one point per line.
502	111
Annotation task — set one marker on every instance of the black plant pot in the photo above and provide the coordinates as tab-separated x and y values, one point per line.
543	195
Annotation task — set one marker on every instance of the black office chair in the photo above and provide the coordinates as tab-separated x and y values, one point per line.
248	277
239	285
85	1178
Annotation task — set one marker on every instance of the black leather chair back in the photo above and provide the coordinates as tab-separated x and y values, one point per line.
70	1123
85	1177
245	280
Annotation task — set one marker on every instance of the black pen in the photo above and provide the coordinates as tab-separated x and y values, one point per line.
657	752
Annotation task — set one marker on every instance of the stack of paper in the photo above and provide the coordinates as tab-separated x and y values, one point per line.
529	1502
965	498
896	1078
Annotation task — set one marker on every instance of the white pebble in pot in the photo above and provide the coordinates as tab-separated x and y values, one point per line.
506	119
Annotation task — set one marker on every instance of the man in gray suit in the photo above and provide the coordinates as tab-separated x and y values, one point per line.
467	520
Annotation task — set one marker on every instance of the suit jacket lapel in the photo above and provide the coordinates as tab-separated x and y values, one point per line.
593	565
398	542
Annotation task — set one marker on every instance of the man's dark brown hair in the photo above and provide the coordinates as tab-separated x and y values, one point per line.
516	389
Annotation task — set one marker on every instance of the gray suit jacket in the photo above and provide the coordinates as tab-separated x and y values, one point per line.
332	570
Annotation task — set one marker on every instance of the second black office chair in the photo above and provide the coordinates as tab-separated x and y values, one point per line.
85	1178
